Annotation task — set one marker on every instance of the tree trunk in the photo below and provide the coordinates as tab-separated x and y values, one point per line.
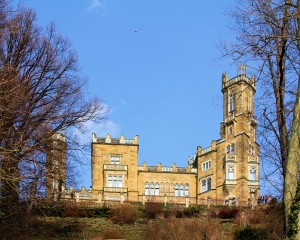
291	176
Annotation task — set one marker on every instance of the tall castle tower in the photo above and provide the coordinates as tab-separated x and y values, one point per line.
239	131
229	169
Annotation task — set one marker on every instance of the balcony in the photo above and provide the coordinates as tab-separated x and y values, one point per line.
115	167
115	189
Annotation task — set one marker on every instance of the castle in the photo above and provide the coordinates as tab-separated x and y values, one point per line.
226	172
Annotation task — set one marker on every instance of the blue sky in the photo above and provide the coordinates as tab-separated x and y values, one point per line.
155	64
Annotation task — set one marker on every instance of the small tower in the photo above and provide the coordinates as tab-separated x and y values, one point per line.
56	166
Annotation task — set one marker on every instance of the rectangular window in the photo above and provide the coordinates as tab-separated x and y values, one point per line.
115	181
115	159
206	165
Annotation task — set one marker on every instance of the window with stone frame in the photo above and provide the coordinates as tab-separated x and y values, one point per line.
147	189
156	193
186	190
230	173
252	174
206	184
176	190
233	148
206	165
115	159
115	181
232	102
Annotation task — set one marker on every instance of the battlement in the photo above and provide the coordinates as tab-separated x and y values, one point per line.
241	77
109	140
172	169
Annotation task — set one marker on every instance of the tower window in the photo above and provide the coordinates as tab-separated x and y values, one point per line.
115	159
115	181
232	102
233	148
230	173
252	174
206	165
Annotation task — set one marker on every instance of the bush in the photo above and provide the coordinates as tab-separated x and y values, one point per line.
192	211
124	214
228	213
178	214
102	212
153	210
250	233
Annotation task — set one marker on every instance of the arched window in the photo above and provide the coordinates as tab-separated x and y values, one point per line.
209	184
186	190
230	173
147	188
156	189
233	148
176	190
181	190
232	102
230	130
151	189
204	186
252	174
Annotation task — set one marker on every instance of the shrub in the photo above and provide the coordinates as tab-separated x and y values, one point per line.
153	210
228	213
124	214
102	212
192	211
250	233
178	214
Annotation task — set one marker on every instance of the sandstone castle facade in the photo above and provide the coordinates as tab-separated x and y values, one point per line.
226	172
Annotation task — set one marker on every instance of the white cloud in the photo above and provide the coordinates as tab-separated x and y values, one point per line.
100	129
95	4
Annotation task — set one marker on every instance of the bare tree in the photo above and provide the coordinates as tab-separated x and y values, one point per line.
41	93
268	39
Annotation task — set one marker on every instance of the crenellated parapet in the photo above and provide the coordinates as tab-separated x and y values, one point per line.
109	140
241	77
171	169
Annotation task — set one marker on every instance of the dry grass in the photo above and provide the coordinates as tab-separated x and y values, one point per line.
177	229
